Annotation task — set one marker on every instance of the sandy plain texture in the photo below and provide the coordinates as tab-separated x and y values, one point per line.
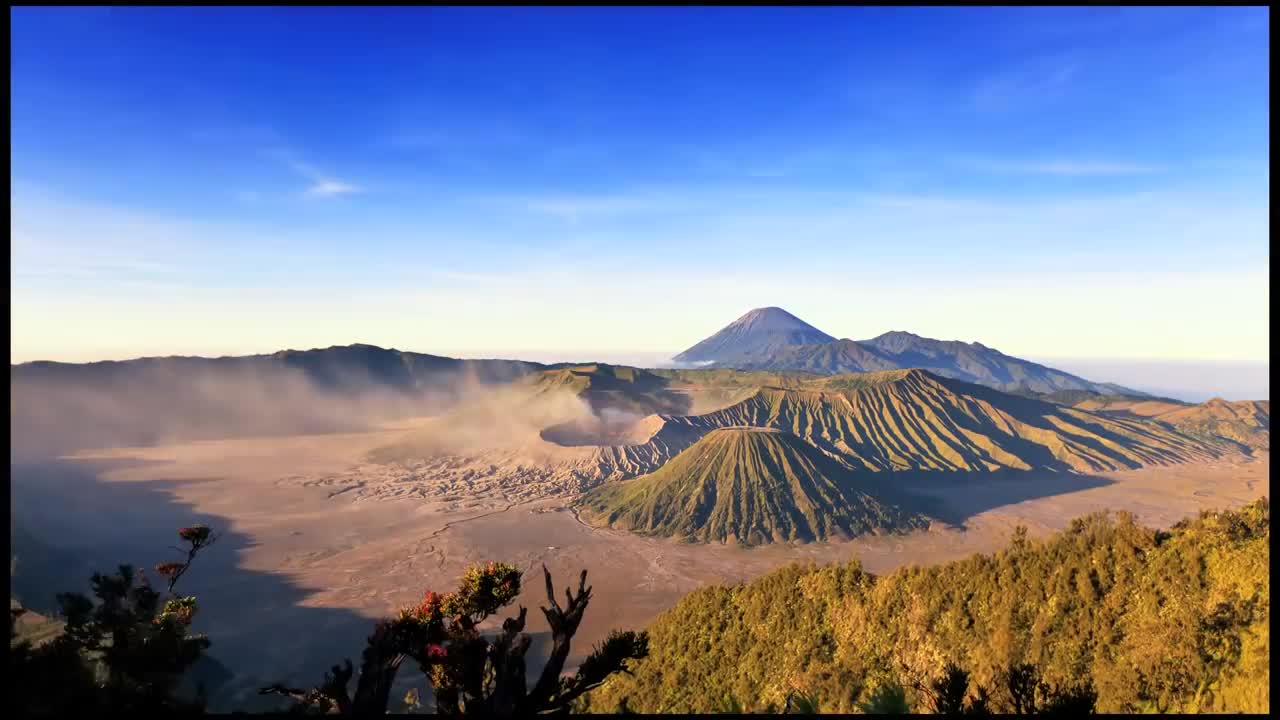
319	541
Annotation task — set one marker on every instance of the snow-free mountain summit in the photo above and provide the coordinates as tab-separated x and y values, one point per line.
773	339
757	336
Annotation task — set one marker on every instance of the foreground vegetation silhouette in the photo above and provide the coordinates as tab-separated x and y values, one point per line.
1105	616
469	673
952	693
128	652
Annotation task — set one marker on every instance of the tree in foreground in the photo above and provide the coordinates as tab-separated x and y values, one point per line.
127	652
887	699
468	672
953	694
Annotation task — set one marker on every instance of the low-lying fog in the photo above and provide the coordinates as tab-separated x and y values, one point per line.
50	417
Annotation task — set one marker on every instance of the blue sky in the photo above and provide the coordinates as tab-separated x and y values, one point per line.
1058	183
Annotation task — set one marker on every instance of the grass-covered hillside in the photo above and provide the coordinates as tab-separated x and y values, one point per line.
1245	421
914	420
748	485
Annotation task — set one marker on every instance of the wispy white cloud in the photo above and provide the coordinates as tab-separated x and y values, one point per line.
56	238
1087	168
574	208
1031	84
51	239
1060	167
330	188
321	184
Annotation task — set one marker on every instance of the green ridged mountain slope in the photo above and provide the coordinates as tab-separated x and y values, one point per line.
907	420
751	486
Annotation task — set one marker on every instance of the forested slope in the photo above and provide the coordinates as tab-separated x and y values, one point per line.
1173	620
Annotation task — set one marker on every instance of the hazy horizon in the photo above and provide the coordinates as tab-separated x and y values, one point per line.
1194	380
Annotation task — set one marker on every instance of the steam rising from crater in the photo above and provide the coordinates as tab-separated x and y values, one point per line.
607	427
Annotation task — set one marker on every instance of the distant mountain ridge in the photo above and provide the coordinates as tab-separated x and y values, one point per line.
339	367
761	340
57	406
1245	422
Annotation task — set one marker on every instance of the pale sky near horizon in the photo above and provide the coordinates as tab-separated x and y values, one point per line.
1055	183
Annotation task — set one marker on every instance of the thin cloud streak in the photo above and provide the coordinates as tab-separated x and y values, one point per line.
331	188
1060	167
1030	85
1090	168
322	184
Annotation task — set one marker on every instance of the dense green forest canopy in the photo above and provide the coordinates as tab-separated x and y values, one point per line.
1152	620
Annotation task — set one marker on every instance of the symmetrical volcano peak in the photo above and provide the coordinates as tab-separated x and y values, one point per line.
758	334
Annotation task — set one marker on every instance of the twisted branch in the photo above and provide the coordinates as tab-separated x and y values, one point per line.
564	623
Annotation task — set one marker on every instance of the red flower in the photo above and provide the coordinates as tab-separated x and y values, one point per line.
436	651
194	534
168	569
430	603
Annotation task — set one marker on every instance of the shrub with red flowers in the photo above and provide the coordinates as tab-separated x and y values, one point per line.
169	569
125	653
471	671
197	535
